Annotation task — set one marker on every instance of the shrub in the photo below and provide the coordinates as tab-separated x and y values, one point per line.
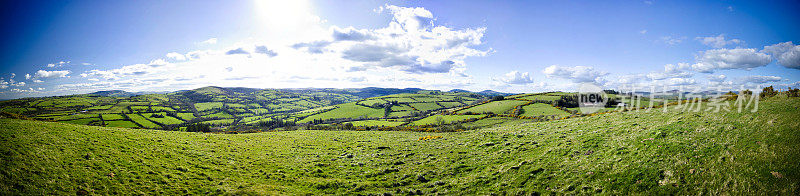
768	92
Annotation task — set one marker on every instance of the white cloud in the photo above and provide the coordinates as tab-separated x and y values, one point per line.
27	76
679	81
577	74
86	64
718	41
59	64
716	78
787	54
643	31
13	75
515	77
351	34
411	51
176	56
759	79
672	71
723	59
237	51
266	51
669	40
51	74
209	41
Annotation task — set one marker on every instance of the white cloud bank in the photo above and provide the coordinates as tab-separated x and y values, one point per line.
515	77
411	51
576	74
718	41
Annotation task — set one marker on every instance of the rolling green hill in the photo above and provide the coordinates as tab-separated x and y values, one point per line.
204	105
680	151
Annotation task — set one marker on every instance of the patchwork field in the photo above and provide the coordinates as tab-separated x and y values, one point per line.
496	107
681	151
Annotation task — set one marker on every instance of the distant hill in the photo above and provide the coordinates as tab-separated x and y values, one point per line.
114	93
493	93
359	92
484	93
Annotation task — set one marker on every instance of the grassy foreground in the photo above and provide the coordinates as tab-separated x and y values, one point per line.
677	152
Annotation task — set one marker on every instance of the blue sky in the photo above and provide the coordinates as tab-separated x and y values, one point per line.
59	48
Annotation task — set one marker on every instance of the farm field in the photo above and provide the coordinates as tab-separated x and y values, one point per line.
402	105
683	152
445	119
496	107
541	109
179	108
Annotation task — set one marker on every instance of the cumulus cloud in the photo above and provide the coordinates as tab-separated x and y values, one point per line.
409	51
724	59
718	41
759	79
411	43
237	51
209	41
672	71
128	70
51	74
59	64
787	54
577	74
266	51
716	78
515	77
669	40
315	47
679	81
27	76
351	34
176	56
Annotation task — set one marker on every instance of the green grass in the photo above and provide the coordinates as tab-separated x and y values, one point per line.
425	106
186	116
76	116
110	117
83	121
166	120
100	107
451	104
218	122
540	97
497	107
400	99
538	109
121	123
376	123
444	118
207	106
218	115
161	109
142	121
347	110
637	152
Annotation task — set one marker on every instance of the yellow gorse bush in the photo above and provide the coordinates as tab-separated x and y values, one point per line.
429	138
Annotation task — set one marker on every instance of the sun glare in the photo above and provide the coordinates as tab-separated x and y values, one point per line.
284	15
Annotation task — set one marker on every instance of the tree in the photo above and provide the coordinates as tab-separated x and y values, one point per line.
387	110
768	92
793	92
498	98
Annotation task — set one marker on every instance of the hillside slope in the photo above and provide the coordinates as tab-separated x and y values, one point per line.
676	152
